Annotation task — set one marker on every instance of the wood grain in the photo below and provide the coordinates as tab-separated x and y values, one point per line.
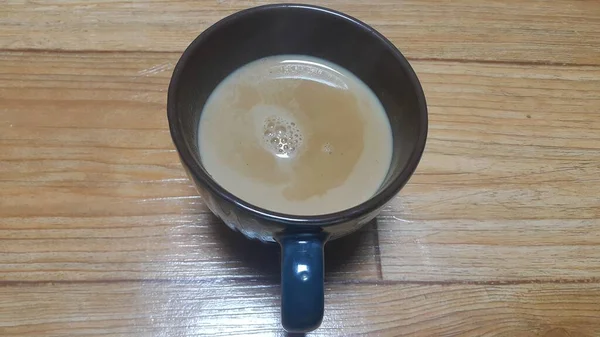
497	233
251	309
85	166
509	186
564	31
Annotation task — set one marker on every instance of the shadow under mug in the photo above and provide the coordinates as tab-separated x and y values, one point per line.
307	30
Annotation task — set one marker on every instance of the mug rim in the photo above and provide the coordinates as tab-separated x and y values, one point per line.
375	202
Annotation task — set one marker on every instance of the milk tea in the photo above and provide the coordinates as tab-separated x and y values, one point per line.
297	135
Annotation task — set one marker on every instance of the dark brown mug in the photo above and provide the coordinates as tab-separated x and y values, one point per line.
319	32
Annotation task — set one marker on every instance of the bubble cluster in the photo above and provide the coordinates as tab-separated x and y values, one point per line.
282	137
327	148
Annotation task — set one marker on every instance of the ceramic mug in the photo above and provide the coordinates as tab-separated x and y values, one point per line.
308	30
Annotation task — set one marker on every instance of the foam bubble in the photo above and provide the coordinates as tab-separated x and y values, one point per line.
280	130
327	148
281	136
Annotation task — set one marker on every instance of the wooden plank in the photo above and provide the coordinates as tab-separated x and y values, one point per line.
157	247
497	234
509	183
251	309
91	187
510	147
88	136
464	250
524	31
508	142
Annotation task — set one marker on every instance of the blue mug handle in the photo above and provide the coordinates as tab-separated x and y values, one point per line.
302	276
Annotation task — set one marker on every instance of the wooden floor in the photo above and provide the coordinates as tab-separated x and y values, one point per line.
497	233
